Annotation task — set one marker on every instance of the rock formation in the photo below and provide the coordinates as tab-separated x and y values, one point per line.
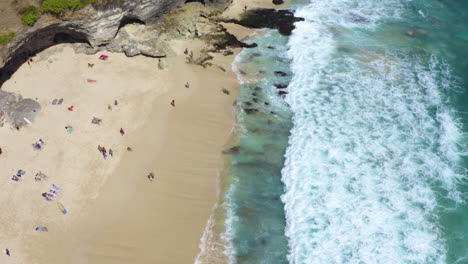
96	26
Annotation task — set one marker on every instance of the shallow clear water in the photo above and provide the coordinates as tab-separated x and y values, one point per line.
374	129
255	217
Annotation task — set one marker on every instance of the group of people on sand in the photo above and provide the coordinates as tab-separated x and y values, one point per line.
18	175
53	191
103	151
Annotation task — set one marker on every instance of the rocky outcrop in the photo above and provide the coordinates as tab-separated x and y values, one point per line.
16	110
96	27
282	20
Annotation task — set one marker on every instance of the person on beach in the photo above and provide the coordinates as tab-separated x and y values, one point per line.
40	176
116	103
196	32
104	152
70	108
99	148
42	142
129	149
111	152
122	132
173	103
15	178
6	251
151	176
186	51
42	228
187	85
46	198
109	107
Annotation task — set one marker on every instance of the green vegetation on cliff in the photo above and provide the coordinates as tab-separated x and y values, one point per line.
57	7
6	38
29	15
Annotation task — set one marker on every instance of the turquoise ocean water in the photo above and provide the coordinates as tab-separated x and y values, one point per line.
364	160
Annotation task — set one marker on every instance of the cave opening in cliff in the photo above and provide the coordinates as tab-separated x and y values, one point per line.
37	42
130	20
195	1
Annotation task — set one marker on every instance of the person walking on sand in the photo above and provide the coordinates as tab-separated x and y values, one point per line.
173	103
122	132
6	251
99	148
187	85
111	152
186	51
151	176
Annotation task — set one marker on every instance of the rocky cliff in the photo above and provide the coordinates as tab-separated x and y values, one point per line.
96	26
131	26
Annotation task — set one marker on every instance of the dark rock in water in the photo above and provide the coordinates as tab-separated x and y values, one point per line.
255	100
282	20
280	86
256	54
278	2
261	72
250	111
271	47
233	150
282	93
359	19
226	39
272	112
280	73
254	94
242	72
267	103
257	88
247	103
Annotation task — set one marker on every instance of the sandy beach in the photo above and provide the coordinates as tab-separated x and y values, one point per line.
115	214
114	211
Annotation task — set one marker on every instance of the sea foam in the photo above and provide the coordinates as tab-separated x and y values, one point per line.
373	140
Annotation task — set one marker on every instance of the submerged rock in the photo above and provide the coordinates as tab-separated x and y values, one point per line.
280	86
280	73
251	111
233	150
278	2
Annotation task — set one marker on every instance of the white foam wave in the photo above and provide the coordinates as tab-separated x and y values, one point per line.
372	137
